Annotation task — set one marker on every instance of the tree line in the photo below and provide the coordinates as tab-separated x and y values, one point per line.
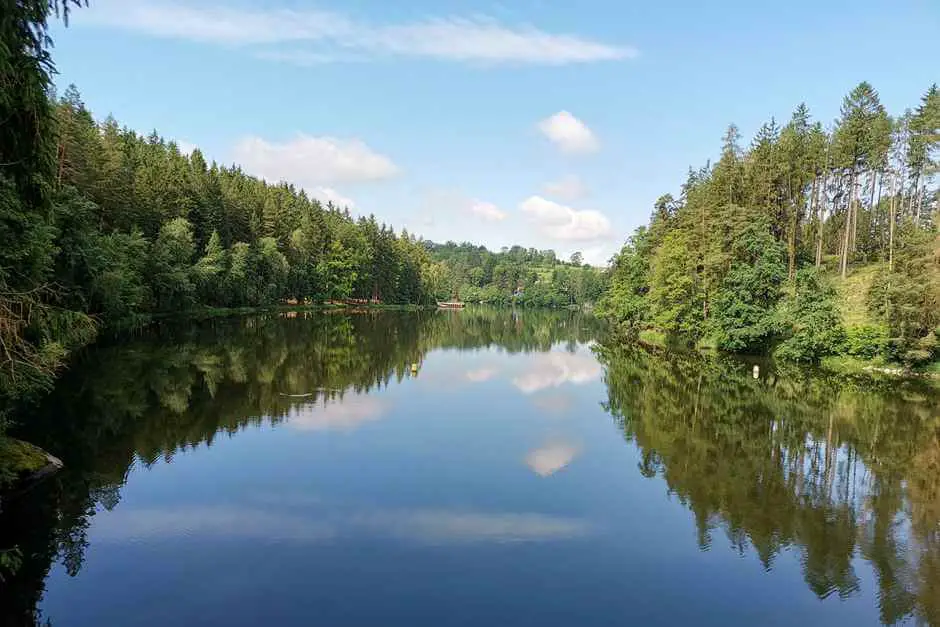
748	256
104	227
515	275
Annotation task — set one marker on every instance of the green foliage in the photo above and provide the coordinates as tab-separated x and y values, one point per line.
867	341
625	301
744	317
726	259
210	270
171	266
516	275
10	561
906	298
811	320
17	460
674	296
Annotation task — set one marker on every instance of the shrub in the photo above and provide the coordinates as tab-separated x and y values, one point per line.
813	322
866	341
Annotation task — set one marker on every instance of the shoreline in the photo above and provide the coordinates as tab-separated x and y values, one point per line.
846	365
23	465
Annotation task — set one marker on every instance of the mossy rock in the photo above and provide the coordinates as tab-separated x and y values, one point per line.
20	461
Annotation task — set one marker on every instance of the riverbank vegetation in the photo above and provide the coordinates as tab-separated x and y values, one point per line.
810	242
516	275
107	228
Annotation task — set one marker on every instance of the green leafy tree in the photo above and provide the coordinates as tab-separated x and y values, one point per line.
744	315
171	266
811	318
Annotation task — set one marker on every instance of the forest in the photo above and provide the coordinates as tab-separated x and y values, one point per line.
812	241
103	228
516	275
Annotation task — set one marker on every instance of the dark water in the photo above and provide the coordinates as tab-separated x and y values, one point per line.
520	475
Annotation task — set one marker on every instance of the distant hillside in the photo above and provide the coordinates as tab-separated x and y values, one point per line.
523	276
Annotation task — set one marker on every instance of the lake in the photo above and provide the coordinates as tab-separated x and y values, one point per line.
478	467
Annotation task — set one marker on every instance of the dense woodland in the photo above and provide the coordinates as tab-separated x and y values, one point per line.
516	275
759	250
103	227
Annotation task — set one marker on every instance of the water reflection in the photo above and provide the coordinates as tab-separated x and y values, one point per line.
834	469
481	375
259	524
344	414
182	387
551	457
556	368
844	474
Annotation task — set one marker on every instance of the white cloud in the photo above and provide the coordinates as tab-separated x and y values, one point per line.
216	24
473	39
551	370
568	187
336	415
185	147
487	211
480	375
313	162
433	526
561	222
215	521
551	458
570	134
328	194
274	521
598	256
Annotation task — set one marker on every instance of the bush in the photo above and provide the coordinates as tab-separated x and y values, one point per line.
744	309
866	341
925	350
810	314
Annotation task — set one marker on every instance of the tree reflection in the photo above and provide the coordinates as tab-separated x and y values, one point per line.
181	387
834	469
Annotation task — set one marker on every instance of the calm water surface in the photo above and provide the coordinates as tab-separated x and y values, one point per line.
469	468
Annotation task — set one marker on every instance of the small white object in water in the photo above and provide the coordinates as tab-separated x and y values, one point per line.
756	371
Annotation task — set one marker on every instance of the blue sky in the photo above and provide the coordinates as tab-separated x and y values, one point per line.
545	123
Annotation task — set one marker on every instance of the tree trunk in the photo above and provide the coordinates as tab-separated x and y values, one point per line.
881	230
856	198
891	222
848	227
704	267
62	148
914	193
817	212
871	208
791	244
